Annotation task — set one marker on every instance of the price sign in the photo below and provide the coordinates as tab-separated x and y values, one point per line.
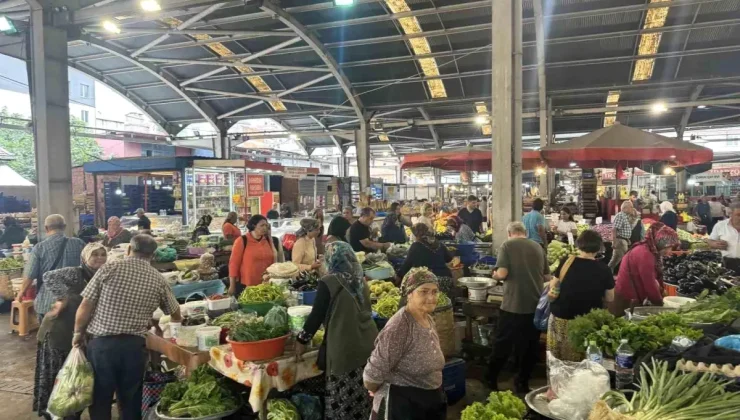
570	238
255	185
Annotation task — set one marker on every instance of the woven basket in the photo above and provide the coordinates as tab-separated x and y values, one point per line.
6	287
444	322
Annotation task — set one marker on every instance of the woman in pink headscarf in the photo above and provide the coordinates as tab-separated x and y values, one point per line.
116	234
640	277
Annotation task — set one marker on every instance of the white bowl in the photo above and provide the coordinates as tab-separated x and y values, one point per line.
676	301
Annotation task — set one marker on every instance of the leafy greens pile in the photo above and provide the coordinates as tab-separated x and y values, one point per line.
606	330
257	330
665	395
713	308
203	394
282	409
499	406
10	264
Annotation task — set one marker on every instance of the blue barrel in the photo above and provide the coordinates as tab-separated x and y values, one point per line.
465	250
306	298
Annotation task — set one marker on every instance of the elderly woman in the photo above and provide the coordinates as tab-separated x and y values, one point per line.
405	368
640	278
627	229
116	234
343	305
427	252
304	253
581	283
55	333
427	214
668	215
229	228
462	232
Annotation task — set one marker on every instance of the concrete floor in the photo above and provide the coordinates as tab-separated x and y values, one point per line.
18	355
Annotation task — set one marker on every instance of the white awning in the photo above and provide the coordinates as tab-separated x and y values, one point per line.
11	178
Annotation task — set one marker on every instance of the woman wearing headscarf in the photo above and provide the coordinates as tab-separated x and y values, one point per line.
640	277
393	229
427	252
304	253
668	215
404	373
462	232
342	305
55	333
427	214
202	227
116	234
229	228
338	228
318	214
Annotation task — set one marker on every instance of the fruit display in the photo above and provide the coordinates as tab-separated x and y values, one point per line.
581	227
380	289
557	251
605	230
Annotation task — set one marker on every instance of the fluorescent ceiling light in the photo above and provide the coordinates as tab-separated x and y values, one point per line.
573	164
293	136
344	2
110	26
701	106
481	119
150	5
6	25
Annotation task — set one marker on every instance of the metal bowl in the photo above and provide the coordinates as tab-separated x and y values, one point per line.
641	312
476	282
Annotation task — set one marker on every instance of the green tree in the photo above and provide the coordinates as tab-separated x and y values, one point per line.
20	144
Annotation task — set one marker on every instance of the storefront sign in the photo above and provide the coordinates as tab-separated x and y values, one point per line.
709	177
255	185
298	173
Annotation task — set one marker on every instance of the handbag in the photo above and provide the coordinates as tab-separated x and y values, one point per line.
542	313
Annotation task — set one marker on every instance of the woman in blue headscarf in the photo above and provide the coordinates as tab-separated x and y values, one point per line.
342	305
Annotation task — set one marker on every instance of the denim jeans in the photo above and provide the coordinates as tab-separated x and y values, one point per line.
119	363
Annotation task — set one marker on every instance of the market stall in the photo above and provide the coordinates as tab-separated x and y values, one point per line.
186	187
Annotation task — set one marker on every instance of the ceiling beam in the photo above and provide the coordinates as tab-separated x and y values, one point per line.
687	112
184	25
272	97
233	64
288	20
333	138
432	130
204	109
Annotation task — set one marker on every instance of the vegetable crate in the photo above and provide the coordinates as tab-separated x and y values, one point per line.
453	380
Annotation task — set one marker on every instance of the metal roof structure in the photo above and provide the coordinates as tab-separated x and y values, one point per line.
421	69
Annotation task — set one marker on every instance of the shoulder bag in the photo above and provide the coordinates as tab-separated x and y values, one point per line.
542	313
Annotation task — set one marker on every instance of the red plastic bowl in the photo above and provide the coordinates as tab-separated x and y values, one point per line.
259	350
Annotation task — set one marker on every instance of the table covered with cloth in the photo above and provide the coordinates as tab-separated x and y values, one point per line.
280	373
206	287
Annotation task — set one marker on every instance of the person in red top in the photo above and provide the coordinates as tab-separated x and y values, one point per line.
229	229
249	261
640	276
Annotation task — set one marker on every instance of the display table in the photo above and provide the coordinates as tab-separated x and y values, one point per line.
473	310
207	287
189	357
280	373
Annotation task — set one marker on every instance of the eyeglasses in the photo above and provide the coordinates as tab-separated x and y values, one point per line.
428	293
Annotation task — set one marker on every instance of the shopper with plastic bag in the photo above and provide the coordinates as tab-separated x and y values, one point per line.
115	313
73	390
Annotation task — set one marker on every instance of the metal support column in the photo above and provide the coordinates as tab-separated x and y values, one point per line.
505	119
184	192
550	140
363	158
47	69
539	31
221	145
438	182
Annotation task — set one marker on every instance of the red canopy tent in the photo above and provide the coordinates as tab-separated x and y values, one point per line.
464	159
623	146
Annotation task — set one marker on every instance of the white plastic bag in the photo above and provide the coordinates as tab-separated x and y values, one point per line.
73	387
577	386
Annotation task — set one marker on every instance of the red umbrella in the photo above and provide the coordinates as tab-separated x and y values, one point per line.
619	145
463	159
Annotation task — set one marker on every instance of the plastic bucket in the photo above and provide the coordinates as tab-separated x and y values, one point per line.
307	298
208	337
298	316
186	336
259	350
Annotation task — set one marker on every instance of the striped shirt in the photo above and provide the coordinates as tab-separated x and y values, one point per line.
43	256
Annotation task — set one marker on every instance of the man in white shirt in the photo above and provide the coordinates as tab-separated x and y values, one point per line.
716	212
725	235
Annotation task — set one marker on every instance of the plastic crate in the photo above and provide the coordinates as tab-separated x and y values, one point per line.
453	380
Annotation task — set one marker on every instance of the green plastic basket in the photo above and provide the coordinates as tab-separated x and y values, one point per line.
260	308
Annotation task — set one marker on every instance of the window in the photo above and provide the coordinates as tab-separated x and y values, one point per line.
84	90
85	116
